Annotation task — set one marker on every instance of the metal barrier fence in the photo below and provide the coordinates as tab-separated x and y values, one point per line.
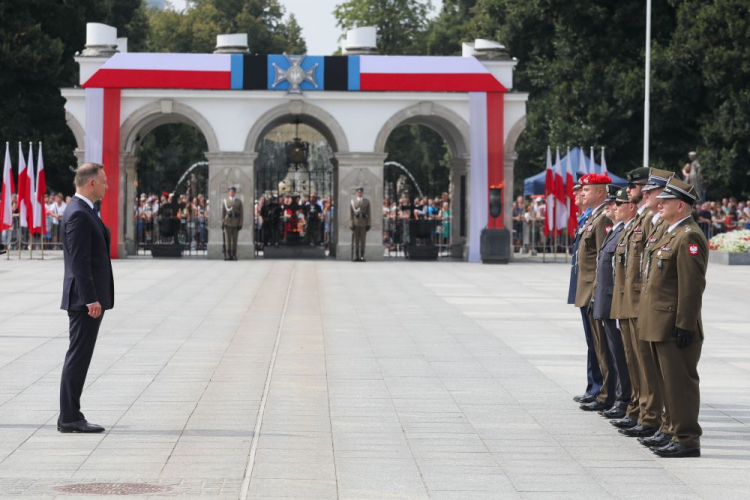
190	233
400	231
18	238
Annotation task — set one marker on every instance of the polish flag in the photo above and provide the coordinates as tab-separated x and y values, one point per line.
604	164
549	195
31	213
6	207
592	167
582	162
41	188
561	208
24	203
570	198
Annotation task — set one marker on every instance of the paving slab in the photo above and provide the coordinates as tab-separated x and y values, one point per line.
326	379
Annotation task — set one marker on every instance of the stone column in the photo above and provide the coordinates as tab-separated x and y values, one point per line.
80	154
227	169
128	188
360	170
459	177
508	166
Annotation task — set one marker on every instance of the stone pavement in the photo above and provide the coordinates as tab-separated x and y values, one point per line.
344	380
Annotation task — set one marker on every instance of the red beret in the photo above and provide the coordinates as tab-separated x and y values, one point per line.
595	179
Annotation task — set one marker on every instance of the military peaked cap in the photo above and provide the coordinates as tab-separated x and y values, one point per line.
657	179
638	175
680	190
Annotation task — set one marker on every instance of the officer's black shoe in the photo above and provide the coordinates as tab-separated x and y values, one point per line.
595	406
624	423
639	430
613	412
362	259
227	257
81	426
585	398
234	257
658	440
677	450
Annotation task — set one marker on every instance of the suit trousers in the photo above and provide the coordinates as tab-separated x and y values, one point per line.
629	343
83	332
607	394
680	387
593	373
618	367
360	235
232	233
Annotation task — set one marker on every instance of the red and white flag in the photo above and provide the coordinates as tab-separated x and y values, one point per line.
604	164
41	188
6	206
33	224
581	162
549	195
561	207
24	204
570	197
592	165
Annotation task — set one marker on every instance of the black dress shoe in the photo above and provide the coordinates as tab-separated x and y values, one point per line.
79	426
658	440
677	450
624	423
595	406
613	412
585	398
639	430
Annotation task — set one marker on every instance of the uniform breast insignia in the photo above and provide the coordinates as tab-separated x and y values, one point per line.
638	230
693	249
660	264
652	240
590	228
608	229
665	248
687	228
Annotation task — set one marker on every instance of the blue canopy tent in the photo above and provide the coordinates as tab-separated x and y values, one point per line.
535	184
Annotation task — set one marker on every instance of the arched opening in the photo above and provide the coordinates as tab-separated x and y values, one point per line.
295	191
166	207
424	203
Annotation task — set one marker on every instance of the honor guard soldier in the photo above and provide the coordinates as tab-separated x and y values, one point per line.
593	195
670	320
231	222
593	374
359	212
645	418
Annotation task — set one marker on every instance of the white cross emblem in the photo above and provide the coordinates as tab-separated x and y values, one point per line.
295	75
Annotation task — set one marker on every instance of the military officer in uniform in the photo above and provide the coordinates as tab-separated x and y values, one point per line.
359	212
653	429
593	374
593	195
616	211
670	320
231	222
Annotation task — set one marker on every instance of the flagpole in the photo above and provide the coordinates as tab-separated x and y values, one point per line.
42	208
647	99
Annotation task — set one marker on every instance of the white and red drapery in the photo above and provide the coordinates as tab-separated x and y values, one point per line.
365	74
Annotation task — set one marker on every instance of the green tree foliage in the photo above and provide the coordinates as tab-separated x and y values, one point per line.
195	29
425	155
167	151
452	26
401	24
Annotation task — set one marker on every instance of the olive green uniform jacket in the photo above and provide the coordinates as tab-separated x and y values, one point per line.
593	233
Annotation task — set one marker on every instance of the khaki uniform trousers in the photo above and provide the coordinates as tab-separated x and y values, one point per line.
602	355
231	233
677	371
627	327
360	235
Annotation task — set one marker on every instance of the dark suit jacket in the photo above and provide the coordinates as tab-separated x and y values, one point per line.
605	278
88	270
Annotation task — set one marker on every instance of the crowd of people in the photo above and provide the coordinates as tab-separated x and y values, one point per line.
54	207
638	275
396	226
529	215
168	218
293	220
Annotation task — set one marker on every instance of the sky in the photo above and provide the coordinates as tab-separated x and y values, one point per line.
316	19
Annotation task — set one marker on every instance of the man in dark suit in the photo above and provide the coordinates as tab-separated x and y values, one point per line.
620	210
88	290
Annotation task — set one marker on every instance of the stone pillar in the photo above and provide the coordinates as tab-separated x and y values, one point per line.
227	169
128	187
459	178
508	166
359	170
80	155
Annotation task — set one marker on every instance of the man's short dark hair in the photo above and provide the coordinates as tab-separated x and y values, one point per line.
86	172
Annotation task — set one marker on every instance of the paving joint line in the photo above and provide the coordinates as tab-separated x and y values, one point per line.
244	491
